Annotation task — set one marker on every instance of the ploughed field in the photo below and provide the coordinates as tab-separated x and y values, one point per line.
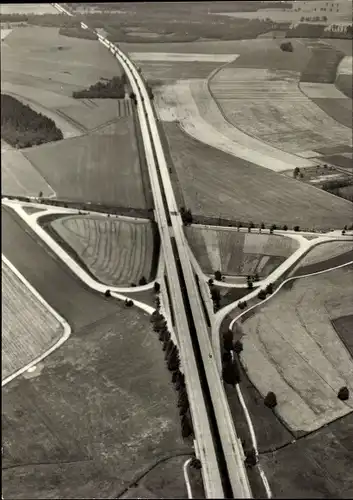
215	184
117	252
292	349
61	442
29	329
235	253
100	168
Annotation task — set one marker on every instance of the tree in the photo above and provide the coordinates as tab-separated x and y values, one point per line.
250	226
238	346
270	400
142	281
343	232
273	227
186	426
156	287
183	397
216	296
250	285
261	295
250	457
241	305
343	394
226	357
256	277
286	47
195	463
285	227
218	275
228	340
262	226
107	293
296	228
269	288
230	373
174	361
168	346
210	282
180	382
40	194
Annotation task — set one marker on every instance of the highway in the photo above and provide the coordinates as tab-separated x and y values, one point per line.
218	447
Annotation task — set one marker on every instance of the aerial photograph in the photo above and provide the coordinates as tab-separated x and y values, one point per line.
177	250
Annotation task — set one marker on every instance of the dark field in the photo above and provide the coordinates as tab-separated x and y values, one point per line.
155	71
338	109
101	409
322	64
244	191
98	169
319	465
325	264
339	160
330	150
344	328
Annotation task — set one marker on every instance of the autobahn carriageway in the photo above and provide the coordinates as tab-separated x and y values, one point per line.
217	444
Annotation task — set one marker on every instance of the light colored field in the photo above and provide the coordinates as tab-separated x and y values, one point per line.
27	8
19	177
324	252
190	103
291	348
235	253
269	105
5	33
181	57
239	190
44	60
116	252
97	168
28	328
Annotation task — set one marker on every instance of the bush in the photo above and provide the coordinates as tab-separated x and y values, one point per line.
286	47
270	400
343	394
250	457
107	293
218	275
261	295
156	287
143	281
238	346
269	288
113	88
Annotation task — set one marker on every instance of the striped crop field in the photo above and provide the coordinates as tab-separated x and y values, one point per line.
116	252
93	113
292	349
238	254
190	103
28	328
267	104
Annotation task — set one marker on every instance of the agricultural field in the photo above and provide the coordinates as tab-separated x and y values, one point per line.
236	254
162	67
190	104
27	8
99	168
20	177
140	420
244	191
268	104
344	76
304	364
28	328
344	328
322	253
316	466
116	251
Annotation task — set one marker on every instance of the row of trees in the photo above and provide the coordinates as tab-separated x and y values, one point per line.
111	89
22	127
173	364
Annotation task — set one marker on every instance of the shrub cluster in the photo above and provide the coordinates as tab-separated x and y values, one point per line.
286	47
22	127
114	88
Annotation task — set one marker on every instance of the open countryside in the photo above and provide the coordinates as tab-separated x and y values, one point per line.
177	250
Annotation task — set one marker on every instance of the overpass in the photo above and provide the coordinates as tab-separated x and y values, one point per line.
218	447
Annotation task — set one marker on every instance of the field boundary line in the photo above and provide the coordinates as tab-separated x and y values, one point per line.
64	323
